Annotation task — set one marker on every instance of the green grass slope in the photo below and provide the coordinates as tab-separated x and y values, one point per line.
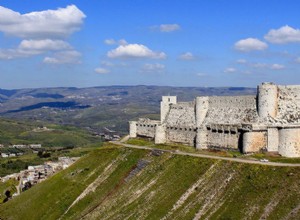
19	132
120	183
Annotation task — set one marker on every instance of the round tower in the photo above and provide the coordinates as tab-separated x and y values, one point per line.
254	141
267	102
289	142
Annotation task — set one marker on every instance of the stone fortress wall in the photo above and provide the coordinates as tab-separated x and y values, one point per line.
269	121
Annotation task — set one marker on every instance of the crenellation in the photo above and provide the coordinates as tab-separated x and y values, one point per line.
269	121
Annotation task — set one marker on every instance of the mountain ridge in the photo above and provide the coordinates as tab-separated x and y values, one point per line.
106	106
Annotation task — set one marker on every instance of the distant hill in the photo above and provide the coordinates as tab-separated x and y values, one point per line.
118	183
56	140
49	135
97	108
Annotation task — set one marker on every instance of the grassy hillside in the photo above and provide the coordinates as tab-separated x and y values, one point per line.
119	183
20	132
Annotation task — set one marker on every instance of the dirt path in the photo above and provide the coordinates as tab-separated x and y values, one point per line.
239	160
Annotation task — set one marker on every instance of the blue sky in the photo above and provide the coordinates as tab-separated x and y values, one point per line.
54	43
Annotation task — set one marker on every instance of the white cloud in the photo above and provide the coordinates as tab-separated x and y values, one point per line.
297	60
44	45
268	66
230	70
277	66
122	42
274	66
250	44
156	67
58	23
187	56
112	42
8	54
101	70
165	27
29	48
135	51
283	35
169	27
64	57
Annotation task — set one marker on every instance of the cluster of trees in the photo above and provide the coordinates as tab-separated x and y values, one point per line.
7	196
44	154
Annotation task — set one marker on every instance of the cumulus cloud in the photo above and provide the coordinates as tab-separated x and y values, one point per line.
29	48
64	57
250	44
44	45
187	56
283	35
101	70
230	70
42	32
8	54
155	67
135	51
58	23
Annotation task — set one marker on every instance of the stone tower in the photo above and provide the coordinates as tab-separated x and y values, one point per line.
165	106
267	100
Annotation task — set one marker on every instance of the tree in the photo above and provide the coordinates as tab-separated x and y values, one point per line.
7	194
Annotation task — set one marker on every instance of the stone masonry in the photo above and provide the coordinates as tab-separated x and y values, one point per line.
269	121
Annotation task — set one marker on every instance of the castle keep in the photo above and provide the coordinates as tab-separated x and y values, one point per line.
269	121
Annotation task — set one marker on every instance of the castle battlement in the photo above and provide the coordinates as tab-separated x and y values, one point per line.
268	121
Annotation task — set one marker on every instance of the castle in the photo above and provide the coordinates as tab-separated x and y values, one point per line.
269	121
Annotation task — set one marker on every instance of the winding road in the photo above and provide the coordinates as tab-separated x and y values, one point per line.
239	160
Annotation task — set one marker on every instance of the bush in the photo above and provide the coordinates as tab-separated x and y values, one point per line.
44	154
